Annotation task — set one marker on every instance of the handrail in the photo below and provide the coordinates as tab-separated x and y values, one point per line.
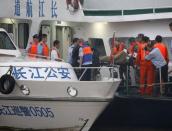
86	9
126	87
24	53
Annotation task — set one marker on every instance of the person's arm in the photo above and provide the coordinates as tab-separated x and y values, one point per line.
80	56
150	55
28	48
69	55
167	55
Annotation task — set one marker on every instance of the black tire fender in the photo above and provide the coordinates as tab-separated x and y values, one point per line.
7	84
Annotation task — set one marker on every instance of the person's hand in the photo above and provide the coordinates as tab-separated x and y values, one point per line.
129	55
125	50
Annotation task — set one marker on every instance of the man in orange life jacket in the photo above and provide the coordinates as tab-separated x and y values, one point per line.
132	50
86	60
132	44
164	51
55	54
147	70
119	47
137	68
43	49
33	46
139	39
116	49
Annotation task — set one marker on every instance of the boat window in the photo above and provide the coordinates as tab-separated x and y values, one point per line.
99	45
23	35
5	42
7	27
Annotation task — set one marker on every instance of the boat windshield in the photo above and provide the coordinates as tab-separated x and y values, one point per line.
5	42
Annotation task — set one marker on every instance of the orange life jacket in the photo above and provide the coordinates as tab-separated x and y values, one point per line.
141	55
87	53
163	50
131	47
33	50
115	51
45	51
142	51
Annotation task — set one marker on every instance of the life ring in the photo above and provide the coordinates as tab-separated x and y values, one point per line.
7	84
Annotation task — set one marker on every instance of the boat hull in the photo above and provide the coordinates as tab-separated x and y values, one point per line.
49	97
39	113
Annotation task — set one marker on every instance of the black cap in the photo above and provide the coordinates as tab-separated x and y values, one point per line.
36	36
140	35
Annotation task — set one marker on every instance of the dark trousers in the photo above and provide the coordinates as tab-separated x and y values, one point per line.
164	78
87	73
164	73
123	71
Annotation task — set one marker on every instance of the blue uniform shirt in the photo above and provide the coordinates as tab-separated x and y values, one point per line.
156	57
40	49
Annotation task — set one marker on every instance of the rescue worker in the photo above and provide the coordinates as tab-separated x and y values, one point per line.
55	54
115	50
43	49
86	56
158	60
33	46
136	66
146	69
164	51
118	48
132	50
139	39
132	44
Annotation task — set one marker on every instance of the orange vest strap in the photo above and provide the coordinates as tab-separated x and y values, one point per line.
163	50
45	49
33	49
87	50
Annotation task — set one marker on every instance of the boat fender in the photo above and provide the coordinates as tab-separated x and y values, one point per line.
7	84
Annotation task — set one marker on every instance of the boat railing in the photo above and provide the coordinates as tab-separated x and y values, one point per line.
24	53
101	73
130	84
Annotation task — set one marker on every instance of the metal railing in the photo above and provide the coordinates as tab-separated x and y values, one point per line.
127	87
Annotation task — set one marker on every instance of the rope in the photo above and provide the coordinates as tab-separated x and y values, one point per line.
10	70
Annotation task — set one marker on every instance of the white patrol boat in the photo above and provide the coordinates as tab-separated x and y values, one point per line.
43	94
